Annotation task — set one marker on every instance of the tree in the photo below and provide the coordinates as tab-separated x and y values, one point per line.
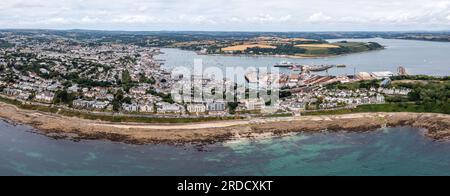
165	97
116	105
144	79
232	107
118	100
126	81
126	78
119	95
320	100
63	97
126	100
414	95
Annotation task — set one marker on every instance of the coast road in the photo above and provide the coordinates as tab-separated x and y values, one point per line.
224	124
172	127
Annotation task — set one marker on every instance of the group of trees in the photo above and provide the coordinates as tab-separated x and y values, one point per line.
287	49
165	97
433	93
9	77
63	97
119	99
421	77
434	96
356	85
126	81
429	94
145	79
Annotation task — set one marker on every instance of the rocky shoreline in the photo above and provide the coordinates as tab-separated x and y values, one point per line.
437	127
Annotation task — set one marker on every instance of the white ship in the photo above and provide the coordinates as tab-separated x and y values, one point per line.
284	64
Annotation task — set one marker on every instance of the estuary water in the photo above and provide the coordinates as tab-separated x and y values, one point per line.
391	151
419	57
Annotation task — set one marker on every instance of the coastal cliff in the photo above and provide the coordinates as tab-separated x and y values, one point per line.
437	127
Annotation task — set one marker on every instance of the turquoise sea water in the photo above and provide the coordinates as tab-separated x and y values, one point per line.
393	151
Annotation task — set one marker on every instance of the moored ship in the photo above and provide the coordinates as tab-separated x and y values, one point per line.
285	64
318	68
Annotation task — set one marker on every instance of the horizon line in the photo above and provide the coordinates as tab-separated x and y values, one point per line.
224	31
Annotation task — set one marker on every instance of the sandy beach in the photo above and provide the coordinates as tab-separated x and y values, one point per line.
437	126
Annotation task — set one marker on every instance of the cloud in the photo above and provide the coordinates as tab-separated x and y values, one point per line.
133	19
246	15
319	17
88	19
267	18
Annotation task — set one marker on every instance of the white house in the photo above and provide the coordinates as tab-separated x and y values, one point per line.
196	108
138	91
255	104
24	95
380	98
46	97
130	107
216	106
165	108
73	88
297	106
11	91
99	105
146	108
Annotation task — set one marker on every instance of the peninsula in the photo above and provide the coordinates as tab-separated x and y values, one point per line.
278	46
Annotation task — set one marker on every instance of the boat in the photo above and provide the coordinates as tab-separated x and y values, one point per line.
318	68
341	66
284	64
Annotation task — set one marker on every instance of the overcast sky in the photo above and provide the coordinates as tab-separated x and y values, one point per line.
229	15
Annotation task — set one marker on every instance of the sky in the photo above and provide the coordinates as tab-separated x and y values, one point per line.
227	15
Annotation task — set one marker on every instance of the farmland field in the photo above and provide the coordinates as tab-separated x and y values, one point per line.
316	46
245	47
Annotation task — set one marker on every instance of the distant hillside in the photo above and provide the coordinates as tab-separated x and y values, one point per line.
312	48
355	47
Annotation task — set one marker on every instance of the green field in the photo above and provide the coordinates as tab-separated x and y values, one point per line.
344	48
429	94
394	107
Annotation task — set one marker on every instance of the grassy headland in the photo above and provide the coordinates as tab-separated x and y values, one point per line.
276	46
429	94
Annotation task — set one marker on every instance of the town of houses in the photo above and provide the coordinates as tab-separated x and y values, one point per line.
98	76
